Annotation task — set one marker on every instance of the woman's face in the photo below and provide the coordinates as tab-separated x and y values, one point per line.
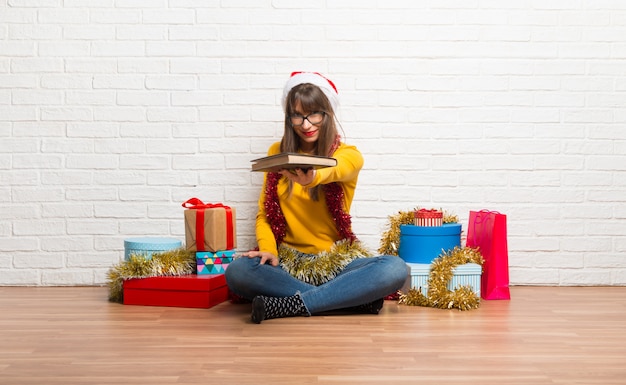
307	132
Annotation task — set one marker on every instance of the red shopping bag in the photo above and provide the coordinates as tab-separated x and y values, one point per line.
487	232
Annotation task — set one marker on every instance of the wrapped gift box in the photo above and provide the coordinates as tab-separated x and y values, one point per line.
147	246
464	275
213	224
213	263
423	244
195	291
429	218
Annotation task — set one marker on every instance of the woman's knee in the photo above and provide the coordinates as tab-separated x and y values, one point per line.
396	268
238	269
239	274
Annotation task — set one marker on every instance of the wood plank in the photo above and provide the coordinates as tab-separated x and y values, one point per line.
544	335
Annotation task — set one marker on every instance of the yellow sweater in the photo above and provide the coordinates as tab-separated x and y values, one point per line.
310	227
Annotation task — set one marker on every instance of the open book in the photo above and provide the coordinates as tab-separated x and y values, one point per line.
290	160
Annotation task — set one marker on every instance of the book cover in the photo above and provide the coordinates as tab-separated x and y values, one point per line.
290	160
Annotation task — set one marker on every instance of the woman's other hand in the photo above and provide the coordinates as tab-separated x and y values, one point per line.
299	176
266	257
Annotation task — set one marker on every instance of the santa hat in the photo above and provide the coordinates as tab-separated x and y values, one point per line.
327	86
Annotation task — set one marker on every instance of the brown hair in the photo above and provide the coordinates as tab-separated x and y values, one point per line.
311	99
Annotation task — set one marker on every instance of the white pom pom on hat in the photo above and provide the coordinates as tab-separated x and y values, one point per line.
315	78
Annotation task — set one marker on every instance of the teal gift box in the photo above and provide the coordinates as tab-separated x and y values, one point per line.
420	244
464	275
146	246
208	262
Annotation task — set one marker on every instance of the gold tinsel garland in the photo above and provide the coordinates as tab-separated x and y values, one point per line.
390	242
173	262
317	269
441	272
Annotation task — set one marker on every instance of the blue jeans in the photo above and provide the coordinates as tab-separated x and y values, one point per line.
362	281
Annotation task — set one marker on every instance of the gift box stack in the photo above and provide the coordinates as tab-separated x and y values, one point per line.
428	238
210	232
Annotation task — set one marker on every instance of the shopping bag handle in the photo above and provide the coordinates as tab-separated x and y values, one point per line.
489	211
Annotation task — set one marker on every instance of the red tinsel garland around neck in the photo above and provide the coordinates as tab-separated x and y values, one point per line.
274	213
334	202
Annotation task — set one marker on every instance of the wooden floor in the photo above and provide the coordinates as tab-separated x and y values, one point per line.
543	335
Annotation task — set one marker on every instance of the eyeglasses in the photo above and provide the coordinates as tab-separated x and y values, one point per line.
314	118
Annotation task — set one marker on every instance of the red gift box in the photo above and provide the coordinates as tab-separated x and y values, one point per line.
196	291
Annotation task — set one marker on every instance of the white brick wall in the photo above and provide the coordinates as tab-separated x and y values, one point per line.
112	113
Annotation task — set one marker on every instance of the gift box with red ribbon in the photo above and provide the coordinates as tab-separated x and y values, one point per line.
208	262
209	227
195	291
428	218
